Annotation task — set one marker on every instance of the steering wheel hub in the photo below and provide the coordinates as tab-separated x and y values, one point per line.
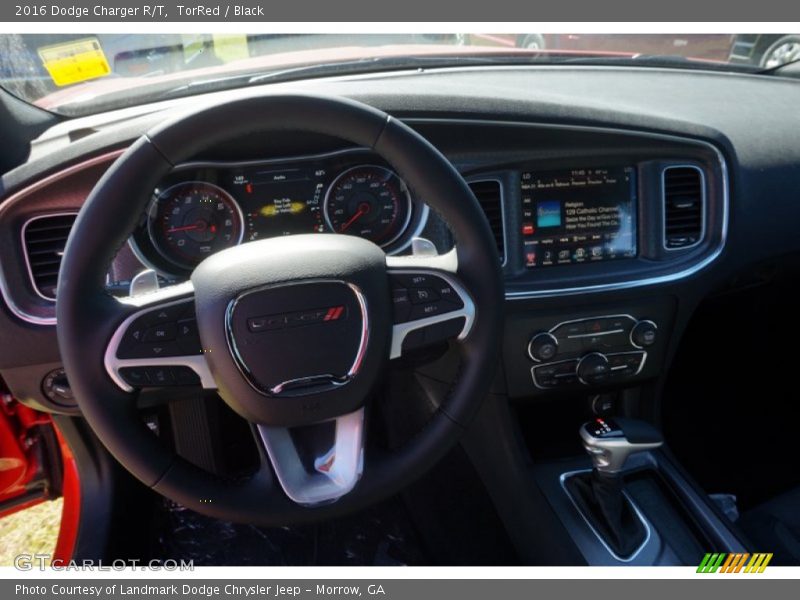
295	329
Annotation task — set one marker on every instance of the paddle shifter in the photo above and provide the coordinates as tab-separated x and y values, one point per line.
599	494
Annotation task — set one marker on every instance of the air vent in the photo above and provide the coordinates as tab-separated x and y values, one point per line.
684	199
490	196
44	239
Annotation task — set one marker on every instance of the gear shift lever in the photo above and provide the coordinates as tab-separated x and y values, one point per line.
599	495
610	442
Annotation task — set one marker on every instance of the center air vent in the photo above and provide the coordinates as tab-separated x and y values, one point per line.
490	196
684	199
44	239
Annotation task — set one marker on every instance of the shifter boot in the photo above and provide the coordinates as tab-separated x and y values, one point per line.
600	499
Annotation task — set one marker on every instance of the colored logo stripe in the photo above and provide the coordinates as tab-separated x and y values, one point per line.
733	563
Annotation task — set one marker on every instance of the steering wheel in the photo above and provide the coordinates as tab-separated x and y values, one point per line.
294	333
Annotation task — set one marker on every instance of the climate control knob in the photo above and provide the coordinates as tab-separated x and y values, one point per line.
643	334
543	346
593	368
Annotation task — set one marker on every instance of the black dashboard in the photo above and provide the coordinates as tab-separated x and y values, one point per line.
619	199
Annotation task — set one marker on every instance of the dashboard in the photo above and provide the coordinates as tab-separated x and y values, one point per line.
614	215
204	207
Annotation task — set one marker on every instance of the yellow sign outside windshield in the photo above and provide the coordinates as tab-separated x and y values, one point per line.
76	61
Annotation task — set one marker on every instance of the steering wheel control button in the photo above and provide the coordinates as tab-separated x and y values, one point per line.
643	334
401	305
543	347
423	295
159	376
165	332
135	376
185	376
433	334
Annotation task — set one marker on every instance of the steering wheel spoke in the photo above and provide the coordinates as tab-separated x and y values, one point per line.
158	344
430	304
319	463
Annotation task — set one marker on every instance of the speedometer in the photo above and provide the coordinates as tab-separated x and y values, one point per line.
368	201
192	220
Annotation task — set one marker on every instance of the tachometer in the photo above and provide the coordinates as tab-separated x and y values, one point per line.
368	201
192	220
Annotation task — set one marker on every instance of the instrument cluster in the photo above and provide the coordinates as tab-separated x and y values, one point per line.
202	208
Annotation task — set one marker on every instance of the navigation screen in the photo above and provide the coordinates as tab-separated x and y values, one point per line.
577	216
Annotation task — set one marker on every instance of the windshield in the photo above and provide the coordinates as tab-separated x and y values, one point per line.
80	74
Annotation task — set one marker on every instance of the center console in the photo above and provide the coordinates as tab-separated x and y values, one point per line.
586	349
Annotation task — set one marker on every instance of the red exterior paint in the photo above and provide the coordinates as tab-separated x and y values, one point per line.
18	465
70	513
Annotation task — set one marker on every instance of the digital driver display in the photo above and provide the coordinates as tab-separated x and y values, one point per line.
280	201
575	216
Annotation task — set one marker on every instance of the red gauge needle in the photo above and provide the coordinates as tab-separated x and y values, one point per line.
362	210
199	225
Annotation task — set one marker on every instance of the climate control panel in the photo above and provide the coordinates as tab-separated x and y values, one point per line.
591	351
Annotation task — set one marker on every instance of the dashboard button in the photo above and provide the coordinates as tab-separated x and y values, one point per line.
593	368
598	325
643	334
568	330
543	347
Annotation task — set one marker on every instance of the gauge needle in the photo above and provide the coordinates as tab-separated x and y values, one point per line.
362	210
198	225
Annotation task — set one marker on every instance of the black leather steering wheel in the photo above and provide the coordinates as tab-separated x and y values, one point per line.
267	376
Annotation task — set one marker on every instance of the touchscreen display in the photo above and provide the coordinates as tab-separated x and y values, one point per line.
574	216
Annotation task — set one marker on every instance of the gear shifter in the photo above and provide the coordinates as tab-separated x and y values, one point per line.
610	442
599	494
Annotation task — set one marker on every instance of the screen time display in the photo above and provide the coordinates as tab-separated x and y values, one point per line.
575	216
